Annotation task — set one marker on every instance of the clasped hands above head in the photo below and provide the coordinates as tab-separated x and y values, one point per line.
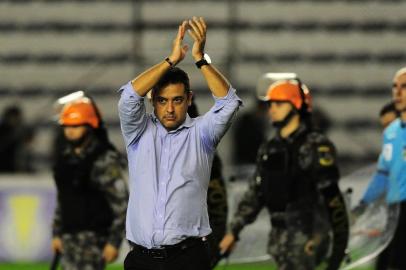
197	29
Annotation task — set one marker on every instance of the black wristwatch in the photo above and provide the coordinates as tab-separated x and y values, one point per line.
204	61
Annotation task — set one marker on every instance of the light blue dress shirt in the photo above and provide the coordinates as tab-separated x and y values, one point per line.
169	171
391	175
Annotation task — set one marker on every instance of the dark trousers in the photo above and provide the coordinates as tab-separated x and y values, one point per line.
393	257
189	257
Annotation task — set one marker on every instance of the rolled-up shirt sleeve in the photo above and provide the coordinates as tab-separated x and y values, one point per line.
132	113
218	119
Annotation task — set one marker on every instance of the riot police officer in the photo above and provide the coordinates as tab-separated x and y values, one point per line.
89	220
296	179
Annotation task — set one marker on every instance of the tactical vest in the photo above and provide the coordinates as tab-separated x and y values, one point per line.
285	185
83	206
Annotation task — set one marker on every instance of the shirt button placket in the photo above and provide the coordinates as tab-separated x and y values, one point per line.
163	183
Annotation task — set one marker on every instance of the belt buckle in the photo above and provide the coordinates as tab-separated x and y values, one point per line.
158	253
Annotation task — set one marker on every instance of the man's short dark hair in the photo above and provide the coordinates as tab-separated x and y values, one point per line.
388	107
174	75
192	109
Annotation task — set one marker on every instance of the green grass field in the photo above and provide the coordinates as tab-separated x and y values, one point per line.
117	267
255	266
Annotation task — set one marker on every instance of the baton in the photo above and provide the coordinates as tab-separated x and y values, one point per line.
220	256
55	261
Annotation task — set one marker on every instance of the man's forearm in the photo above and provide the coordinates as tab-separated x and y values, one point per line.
377	187
217	83
144	82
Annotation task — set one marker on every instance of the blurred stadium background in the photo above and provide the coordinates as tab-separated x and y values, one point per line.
346	51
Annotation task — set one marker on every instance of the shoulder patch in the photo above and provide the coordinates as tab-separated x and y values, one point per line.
325	150
326	157
387	151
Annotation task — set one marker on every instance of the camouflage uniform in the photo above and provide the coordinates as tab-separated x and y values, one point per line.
217	208
287	249
83	249
296	179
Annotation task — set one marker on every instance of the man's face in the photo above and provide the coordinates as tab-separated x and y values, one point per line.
278	110
171	104
74	133
399	92
387	118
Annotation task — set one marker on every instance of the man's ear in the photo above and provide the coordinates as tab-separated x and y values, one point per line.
189	98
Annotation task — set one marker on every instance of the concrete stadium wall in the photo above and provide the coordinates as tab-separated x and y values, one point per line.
345	51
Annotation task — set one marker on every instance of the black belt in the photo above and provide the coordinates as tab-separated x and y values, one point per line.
167	250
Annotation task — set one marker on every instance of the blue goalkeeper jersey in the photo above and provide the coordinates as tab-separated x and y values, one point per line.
391	174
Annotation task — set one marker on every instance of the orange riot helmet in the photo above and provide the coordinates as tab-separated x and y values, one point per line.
292	91
80	112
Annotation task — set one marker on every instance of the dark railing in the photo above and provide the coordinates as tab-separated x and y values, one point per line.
293	57
275	26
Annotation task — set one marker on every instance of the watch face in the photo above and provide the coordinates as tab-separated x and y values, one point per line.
207	58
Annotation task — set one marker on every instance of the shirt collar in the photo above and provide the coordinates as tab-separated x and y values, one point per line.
189	122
